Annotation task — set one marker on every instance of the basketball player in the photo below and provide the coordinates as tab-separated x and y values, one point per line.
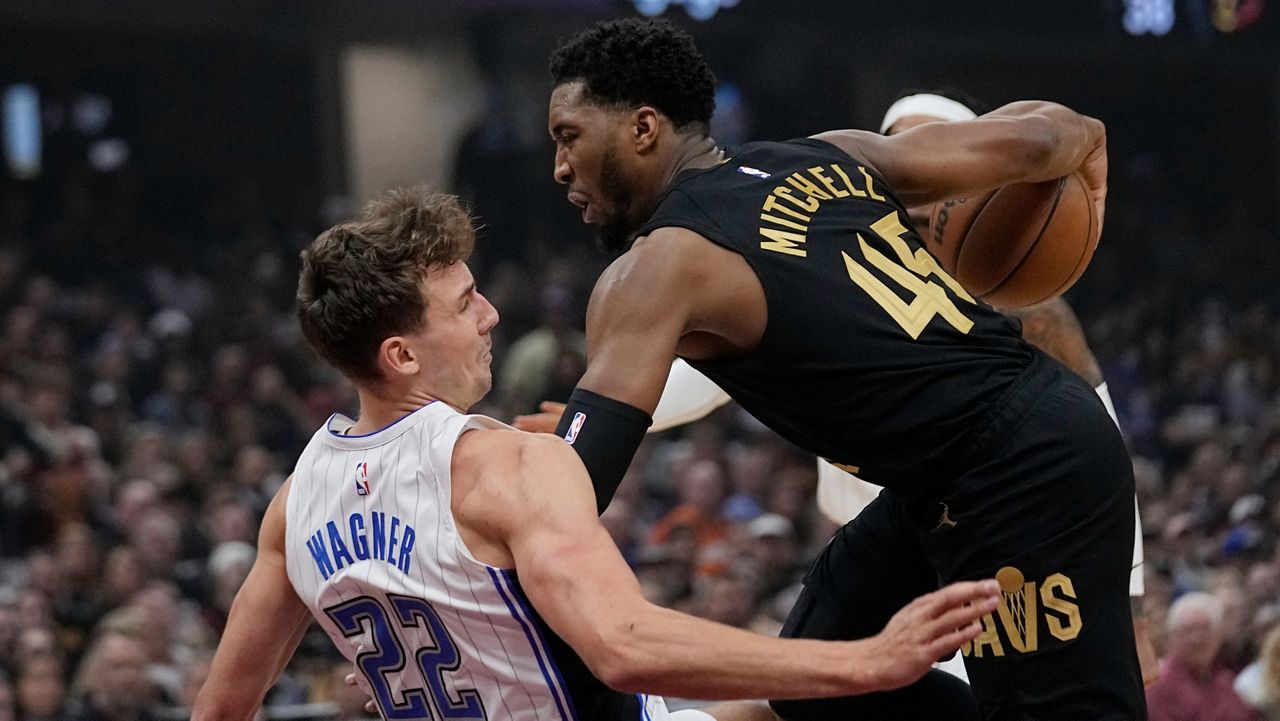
789	274
1050	326
459	563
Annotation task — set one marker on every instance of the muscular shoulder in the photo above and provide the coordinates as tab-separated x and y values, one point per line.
655	279
498	473
663	259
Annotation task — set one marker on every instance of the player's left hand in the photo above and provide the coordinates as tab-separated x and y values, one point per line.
355	679
1094	173
544	422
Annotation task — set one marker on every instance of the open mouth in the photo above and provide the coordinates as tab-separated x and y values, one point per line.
581	201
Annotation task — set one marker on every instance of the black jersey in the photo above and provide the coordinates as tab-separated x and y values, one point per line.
873	357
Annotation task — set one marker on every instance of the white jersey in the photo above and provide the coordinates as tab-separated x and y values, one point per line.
372	549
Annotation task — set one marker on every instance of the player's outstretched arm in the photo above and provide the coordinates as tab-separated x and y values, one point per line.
266	624
541	507
1021	142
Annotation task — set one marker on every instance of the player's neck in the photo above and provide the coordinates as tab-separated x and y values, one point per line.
692	153
381	409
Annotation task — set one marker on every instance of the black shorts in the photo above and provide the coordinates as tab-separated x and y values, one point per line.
1044	504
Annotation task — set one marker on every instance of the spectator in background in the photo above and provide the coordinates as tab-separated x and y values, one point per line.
539	361
773	553
1193	686
113	678
40	689
8	704
700	486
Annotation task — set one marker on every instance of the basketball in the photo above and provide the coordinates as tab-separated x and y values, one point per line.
1018	245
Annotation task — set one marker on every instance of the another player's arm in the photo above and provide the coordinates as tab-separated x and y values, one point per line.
639	309
1054	328
1021	142
266	624
535	498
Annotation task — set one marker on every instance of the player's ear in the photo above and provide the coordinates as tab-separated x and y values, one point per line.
397	357
644	128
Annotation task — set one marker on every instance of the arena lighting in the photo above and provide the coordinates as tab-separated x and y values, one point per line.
697	9
21	111
1142	17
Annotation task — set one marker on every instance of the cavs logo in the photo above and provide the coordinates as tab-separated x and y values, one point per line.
362	479
1023	606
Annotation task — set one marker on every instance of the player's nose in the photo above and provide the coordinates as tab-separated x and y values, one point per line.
562	172
489	318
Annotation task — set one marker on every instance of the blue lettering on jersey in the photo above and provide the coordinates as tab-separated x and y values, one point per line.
379	535
339	548
358	541
335	552
406	545
315	544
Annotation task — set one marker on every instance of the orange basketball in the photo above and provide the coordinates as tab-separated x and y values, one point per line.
1020	244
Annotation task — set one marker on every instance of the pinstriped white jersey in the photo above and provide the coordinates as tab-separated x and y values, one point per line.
373	551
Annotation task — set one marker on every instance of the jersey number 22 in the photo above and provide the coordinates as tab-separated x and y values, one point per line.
388	656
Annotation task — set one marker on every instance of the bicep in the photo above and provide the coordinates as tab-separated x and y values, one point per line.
568	565
634	322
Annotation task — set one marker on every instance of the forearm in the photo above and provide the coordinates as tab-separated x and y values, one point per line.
672	654
234	692
266	623
1060	138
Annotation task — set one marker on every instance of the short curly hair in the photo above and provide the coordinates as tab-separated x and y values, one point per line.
361	281
634	62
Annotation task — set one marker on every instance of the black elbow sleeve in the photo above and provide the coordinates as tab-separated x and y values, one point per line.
606	434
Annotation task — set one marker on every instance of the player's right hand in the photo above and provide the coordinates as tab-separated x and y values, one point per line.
544	422
929	628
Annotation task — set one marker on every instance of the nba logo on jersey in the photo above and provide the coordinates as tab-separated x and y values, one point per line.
578	419
748	170
362	479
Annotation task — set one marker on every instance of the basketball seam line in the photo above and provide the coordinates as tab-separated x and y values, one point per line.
965	236
1071	278
1057	198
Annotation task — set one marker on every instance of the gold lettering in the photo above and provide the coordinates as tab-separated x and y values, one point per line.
817	173
771	203
853	190
809	204
1068	630
1018	615
891	229
871	184
786	223
987	637
782	242
806	186
852	470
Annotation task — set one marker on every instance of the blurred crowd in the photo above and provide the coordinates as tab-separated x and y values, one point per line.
154	393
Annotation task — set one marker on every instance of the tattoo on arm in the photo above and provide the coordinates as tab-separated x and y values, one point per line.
1054	328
